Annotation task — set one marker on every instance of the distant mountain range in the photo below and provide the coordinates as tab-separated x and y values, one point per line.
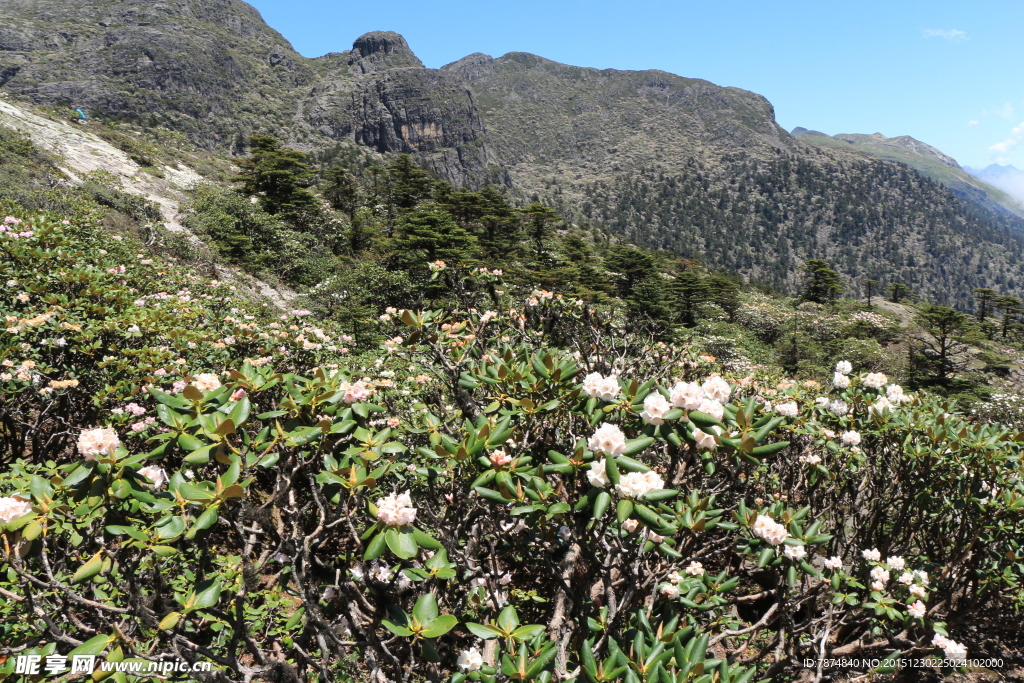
927	160
1007	178
659	159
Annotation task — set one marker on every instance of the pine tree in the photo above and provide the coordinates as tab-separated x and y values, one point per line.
429	233
821	283
871	287
540	220
410	184
277	176
689	293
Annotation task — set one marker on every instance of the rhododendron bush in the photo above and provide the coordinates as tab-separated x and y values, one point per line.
512	487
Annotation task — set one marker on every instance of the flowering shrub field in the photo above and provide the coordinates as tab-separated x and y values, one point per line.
511	487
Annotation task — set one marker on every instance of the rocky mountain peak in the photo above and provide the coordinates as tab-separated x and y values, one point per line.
379	50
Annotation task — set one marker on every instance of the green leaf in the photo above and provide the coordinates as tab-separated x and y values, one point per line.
169	622
190	443
482	630
396	629
89	569
207	594
634	446
601	504
79	474
529	631
208	518
769	449
623	510
425	609
440	626
508	619
376	547
93	646
168	399
401	544
194	493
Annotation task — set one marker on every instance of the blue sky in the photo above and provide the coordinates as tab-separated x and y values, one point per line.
948	73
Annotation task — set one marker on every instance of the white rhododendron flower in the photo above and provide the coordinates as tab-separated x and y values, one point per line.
470	660
851	438
695	569
11	508
838	407
93	442
921	577
871	555
670	590
769	530
894	392
917	609
833	563
794	552
608	439
686	395
704	441
821	401
877	586
597	474
717	389
675	577
630	525
638	484
844	367
811	459
840	381
918	591
655	407
206	381
712	408
155	474
788	409
604	388
880	405
895	562
880	574
875	380
396	510
906	578
952	649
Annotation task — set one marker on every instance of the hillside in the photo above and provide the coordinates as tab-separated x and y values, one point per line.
577	138
922	158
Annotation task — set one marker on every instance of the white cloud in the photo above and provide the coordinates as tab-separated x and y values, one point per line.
1005	111
953	35
1003	148
972	122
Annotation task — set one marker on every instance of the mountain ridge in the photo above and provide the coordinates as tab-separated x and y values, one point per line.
579	138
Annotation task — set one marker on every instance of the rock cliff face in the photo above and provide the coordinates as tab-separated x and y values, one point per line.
215	70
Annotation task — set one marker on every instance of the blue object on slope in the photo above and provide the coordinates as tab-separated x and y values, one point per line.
82	114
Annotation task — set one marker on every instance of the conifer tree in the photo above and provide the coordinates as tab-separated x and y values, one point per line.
429	233
276	176
871	287
821	283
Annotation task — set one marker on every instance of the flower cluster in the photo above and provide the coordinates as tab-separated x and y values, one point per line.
396	510
13	507
608	439
769	530
93	442
597	386
639	484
